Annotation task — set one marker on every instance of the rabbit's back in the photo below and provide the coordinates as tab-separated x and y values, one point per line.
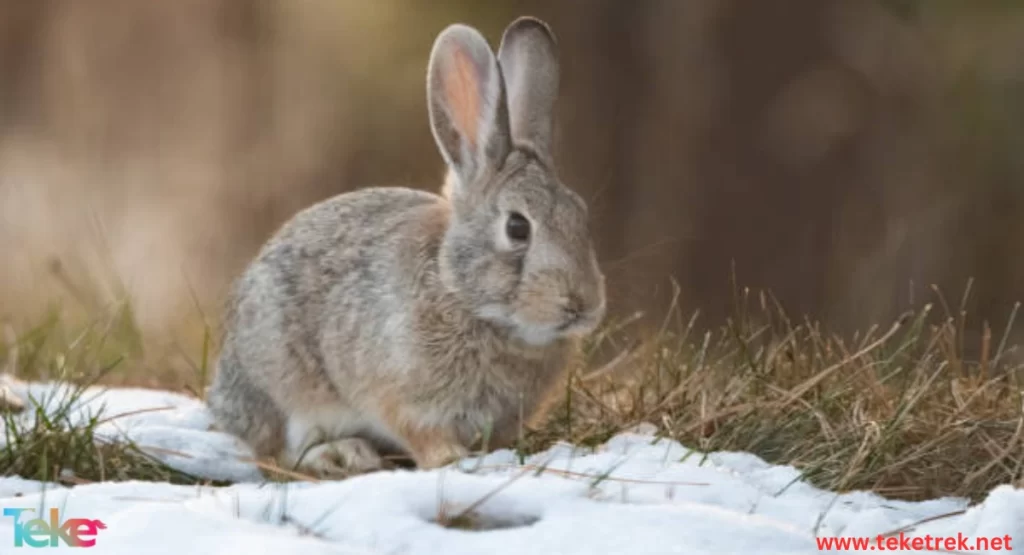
334	233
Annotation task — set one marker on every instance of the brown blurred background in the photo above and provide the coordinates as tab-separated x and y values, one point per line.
846	154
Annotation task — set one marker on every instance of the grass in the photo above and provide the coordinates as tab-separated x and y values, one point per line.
54	447
51	440
899	409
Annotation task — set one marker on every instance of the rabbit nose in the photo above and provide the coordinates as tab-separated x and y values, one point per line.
574	307
572	311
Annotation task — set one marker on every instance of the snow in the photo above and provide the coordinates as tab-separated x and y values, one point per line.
635	494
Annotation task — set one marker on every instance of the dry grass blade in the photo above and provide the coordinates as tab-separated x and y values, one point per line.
570	474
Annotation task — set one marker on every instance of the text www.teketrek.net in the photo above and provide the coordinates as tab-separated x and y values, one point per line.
901	542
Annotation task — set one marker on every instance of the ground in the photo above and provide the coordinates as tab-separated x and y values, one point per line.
636	493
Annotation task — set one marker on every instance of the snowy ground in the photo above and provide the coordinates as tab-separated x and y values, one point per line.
635	494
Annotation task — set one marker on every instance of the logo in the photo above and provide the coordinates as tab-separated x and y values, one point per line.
75	532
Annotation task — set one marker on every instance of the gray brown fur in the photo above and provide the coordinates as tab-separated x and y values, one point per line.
395	320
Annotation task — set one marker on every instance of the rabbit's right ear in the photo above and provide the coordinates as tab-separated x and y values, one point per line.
466	101
528	57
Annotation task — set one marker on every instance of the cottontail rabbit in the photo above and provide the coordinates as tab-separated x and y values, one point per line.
391	320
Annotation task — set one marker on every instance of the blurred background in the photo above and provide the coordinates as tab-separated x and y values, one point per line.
845	154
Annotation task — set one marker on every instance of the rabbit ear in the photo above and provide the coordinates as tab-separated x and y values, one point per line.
466	101
528	56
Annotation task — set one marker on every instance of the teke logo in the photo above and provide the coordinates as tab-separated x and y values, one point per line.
75	532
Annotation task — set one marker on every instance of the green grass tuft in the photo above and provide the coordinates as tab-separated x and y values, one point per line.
50	440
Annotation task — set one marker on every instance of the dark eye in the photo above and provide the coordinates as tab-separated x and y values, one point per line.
517	227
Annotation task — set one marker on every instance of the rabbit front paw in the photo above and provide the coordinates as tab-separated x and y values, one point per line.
341	458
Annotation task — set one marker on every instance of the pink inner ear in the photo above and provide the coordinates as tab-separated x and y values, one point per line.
462	89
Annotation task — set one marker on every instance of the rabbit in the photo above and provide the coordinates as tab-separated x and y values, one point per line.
391	321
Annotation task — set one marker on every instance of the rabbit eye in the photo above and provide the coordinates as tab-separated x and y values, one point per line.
517	227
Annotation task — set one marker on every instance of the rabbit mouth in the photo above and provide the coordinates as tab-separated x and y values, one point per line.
579	323
540	332
579	320
569	323
545	334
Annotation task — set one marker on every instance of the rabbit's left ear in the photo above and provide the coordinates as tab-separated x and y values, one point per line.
466	100
528	57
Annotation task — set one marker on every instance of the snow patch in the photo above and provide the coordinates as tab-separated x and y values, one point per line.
637	493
